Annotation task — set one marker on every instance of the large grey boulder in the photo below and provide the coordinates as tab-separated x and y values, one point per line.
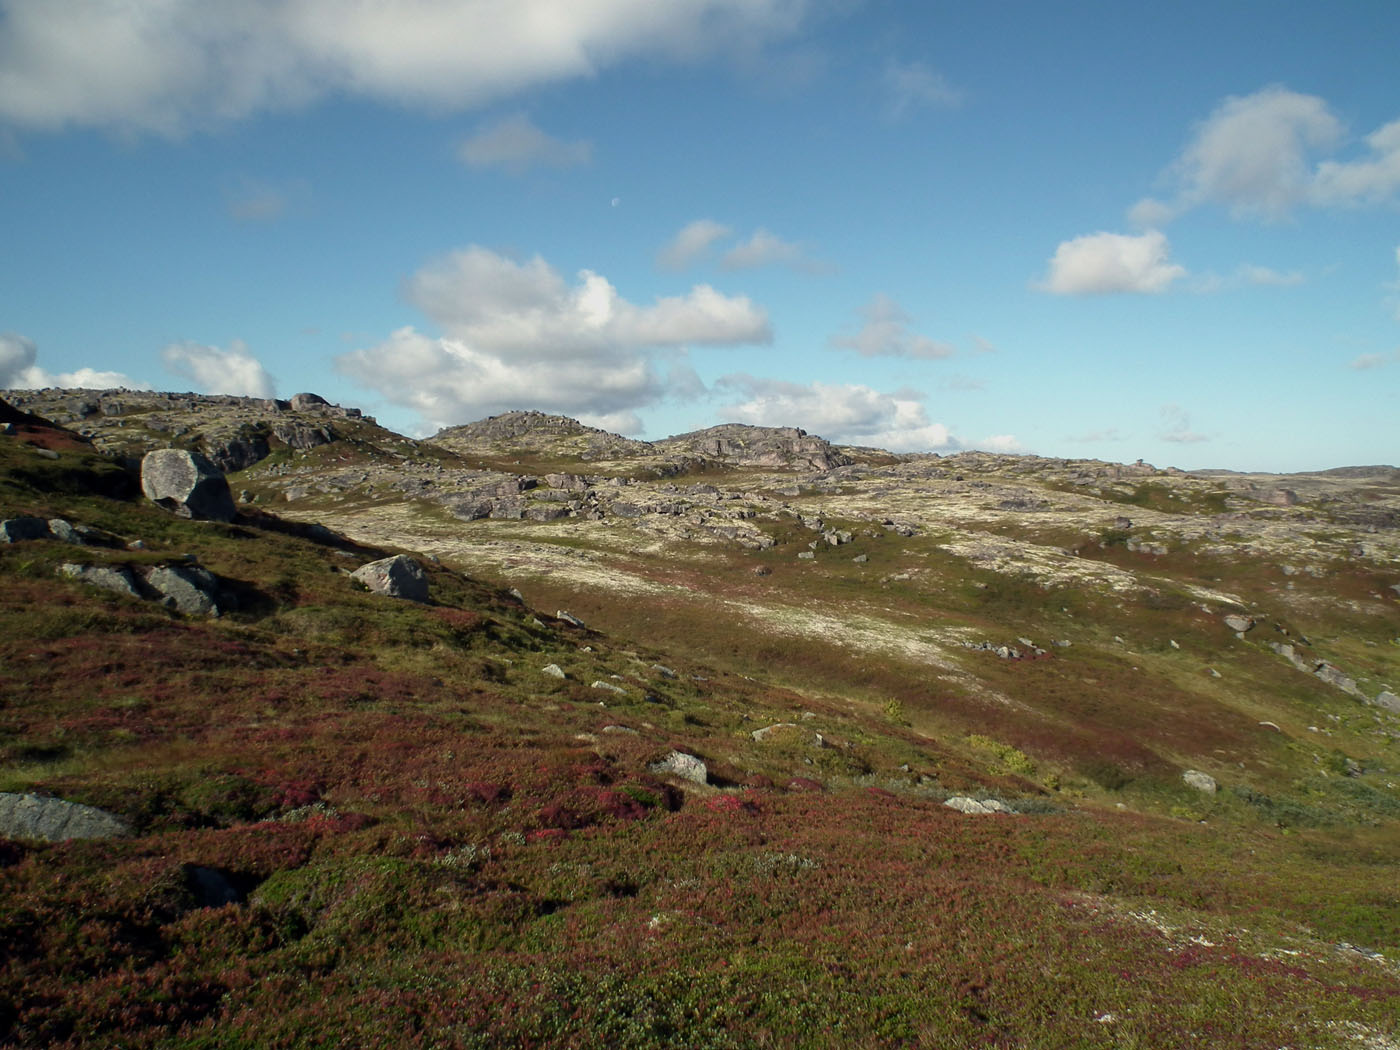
187	484
679	764
1200	781
54	820
186	588
109	577
964	804
396	577
1389	701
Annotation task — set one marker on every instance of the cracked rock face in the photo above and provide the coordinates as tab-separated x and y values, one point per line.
187	484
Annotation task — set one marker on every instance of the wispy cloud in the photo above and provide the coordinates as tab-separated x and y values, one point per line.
515	144
886	332
911	86
691	243
1176	427
764	248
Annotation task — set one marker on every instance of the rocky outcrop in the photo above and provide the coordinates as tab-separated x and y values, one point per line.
396	577
186	484
738	444
680	764
116	578
55	820
186	588
1202	782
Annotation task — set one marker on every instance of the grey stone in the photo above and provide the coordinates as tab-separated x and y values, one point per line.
304	401
396	577
663	670
187	484
553	670
1239	624
109	577
186	588
568	617
790	729
608	687
621	730
806	554
1200	781
62	530
1389	701
13	530
964	804
687	767
54	820
1336	677
1291	655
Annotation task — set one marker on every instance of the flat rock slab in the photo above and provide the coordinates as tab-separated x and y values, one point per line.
396	577
55	820
109	577
186	588
964	804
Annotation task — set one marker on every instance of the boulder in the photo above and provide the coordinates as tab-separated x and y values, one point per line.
1335	676
14	530
608	687
1200	781
54	820
396	577
679	764
568	617
109	577
187	484
1389	701
553	670
186	588
1239	624
62	530
302	402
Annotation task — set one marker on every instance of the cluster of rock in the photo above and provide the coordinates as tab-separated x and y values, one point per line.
186	588
1011	652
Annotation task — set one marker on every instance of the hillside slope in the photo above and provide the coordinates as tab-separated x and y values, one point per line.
462	822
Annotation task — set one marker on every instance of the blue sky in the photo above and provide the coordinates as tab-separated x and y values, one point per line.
1112	230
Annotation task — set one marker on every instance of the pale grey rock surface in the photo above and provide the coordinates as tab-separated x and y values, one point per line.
964	804
109	577
186	588
680	764
396	577
24	816
187	484
1200	781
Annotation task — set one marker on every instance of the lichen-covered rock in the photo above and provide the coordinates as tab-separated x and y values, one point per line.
186	588
964	804
54	820
396	577
1200	781
187	484
679	764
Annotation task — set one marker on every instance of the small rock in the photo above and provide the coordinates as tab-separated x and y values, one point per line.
569	618
109	577
62	530
1200	781
1334	676
1389	701
806	554
553	670
621	730
608	687
1239	624
663	671
964	804
396	577
861	559
680	764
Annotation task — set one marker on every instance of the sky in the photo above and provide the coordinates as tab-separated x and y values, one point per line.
1114	230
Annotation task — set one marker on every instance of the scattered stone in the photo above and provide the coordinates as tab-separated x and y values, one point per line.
1271	725
1291	655
1333	675
791	730
964	804
1200	781
1239	624
109	577
187	484
1213	672
186	588
663	670
680	764
569	618
553	670
806	554
609	687
1172	643
861	559
621	730
396	577
1389	701
55	820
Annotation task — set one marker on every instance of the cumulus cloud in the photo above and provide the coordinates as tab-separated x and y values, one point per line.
886	333
690	243
1256	155
517	334
913	85
849	413
1105	263
1176	427
1363	362
214	371
185	63
19	370
764	248
1007	444
515	144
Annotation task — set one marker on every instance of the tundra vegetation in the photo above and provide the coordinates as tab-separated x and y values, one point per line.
664	757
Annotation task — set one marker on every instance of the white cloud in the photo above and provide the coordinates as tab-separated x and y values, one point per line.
1363	362
1176	427
1255	154
913	85
253	200
170	66
886	333
517	335
848	413
691	242
1247	274
1007	444
1103	263
768	249
19	370
214	371
516	145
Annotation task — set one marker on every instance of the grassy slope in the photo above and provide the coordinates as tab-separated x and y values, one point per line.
484	865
